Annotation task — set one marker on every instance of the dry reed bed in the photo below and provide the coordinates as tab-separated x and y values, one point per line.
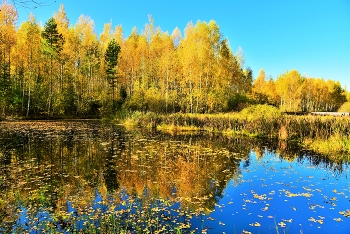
283	126
324	134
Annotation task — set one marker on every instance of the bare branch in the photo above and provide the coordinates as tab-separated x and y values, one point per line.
30	4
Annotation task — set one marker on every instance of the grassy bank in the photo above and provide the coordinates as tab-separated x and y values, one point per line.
323	134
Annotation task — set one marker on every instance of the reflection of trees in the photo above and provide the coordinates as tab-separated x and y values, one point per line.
49	166
46	166
291	151
117	145
178	169
192	169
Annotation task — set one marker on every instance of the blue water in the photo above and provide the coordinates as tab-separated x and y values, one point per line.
271	195
305	198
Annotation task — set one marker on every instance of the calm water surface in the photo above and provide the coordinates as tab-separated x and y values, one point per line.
87	176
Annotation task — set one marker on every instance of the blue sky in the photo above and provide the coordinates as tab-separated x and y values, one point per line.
310	36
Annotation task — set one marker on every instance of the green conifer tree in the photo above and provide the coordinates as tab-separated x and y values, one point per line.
111	59
53	44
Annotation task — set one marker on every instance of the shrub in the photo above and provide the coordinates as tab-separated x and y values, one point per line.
237	102
261	111
345	107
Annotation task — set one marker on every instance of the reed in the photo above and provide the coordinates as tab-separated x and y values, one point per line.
318	133
336	147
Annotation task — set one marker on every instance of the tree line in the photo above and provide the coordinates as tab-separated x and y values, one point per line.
65	70
294	93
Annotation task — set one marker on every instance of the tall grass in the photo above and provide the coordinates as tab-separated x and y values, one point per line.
314	132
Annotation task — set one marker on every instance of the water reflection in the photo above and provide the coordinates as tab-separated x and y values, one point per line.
74	175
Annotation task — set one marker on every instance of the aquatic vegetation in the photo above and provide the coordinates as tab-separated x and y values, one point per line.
173	128
131	215
336	146
317	133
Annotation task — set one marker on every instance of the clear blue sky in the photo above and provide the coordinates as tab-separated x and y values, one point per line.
311	36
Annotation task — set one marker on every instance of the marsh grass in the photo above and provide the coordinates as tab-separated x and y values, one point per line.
175	128
336	147
323	134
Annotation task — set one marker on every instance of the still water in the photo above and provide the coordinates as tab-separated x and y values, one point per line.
85	176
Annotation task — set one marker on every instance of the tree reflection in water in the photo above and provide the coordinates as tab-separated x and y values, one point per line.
74	175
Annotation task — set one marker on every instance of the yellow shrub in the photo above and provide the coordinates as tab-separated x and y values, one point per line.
345	107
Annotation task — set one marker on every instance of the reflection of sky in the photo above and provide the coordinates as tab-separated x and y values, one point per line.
261	198
25	224
273	177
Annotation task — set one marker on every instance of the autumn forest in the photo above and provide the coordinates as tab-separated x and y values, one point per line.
64	70
171	131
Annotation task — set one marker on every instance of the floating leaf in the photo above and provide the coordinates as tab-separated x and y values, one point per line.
256	224
282	224
287	220
345	213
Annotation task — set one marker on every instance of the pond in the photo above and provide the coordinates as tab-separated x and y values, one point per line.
86	176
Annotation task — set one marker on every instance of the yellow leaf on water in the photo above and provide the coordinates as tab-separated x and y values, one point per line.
282	224
246	232
287	220
345	213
